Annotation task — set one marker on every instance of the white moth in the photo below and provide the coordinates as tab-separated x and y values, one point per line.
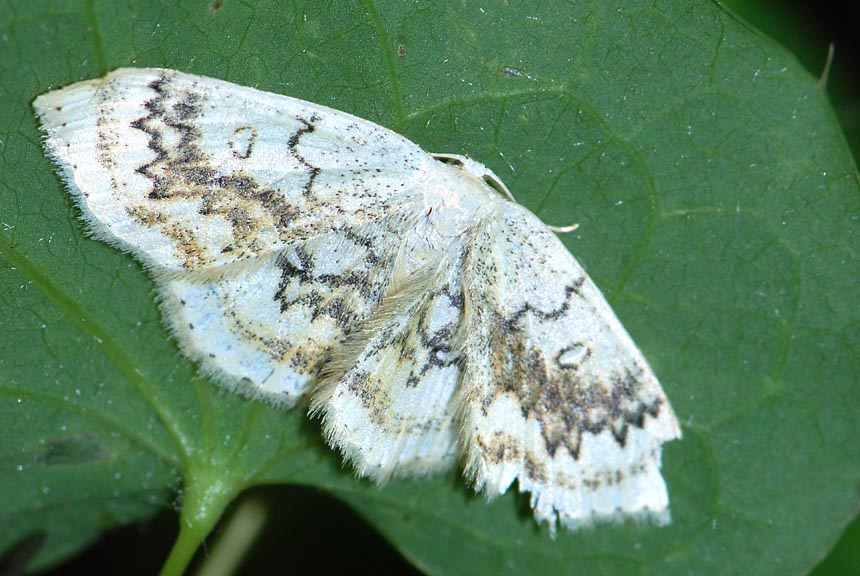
301	252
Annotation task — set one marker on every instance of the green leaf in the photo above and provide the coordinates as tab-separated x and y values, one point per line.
719	210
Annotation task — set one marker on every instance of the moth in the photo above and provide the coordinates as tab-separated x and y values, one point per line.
304	254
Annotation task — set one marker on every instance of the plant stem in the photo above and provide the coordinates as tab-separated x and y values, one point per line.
205	498
236	538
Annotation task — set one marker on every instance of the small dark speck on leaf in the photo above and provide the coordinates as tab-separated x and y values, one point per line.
217	5
401	50
74	450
